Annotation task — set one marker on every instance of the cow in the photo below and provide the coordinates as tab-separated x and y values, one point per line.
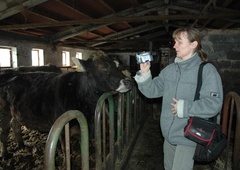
37	99
45	68
4	105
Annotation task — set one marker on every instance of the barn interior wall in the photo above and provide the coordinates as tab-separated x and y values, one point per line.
222	47
52	53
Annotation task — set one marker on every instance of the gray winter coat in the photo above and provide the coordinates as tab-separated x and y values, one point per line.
179	80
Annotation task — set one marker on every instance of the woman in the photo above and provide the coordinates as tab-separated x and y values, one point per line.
177	83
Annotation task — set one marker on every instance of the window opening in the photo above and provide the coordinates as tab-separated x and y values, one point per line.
8	57
37	57
65	58
79	55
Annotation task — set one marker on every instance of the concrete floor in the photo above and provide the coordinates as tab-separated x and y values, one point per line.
148	151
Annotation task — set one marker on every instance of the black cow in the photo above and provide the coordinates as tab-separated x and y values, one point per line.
45	68
5	76
36	100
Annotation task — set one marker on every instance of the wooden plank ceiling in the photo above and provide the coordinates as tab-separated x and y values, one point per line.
111	25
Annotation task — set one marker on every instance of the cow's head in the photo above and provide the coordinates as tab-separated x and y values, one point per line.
107	76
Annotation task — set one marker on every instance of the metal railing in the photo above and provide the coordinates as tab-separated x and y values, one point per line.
119	118
54	134
231	127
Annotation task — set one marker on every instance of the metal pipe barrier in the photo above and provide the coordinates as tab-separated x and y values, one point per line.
100	131
118	121
231	109
119	118
55	132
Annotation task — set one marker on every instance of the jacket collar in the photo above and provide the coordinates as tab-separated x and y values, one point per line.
189	63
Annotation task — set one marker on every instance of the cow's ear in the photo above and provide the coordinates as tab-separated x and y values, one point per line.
77	62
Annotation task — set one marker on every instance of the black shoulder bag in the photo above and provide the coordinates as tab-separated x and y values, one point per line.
206	133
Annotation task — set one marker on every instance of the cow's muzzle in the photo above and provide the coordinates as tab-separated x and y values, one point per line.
125	85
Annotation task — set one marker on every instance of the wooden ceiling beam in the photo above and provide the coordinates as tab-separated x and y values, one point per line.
19	7
129	32
203	11
77	30
118	20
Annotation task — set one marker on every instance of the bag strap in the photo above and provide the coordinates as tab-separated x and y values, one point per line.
199	81
199	85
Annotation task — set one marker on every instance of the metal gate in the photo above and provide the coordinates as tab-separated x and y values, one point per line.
231	128
118	120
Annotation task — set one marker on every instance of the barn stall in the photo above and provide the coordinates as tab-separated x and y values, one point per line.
109	152
124	28
118	120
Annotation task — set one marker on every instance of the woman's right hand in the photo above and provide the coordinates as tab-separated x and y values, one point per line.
145	67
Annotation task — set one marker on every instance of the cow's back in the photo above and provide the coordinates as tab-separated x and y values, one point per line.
38	99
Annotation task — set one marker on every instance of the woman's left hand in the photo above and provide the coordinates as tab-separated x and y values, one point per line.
174	109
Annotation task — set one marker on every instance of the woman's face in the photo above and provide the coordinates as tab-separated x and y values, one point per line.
184	48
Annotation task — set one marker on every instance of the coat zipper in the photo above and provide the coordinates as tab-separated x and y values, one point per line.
177	69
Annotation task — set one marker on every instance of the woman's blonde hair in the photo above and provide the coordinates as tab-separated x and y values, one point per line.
192	35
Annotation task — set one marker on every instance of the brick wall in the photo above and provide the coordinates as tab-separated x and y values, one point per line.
223	49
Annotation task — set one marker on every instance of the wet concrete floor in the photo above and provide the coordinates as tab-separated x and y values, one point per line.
148	151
